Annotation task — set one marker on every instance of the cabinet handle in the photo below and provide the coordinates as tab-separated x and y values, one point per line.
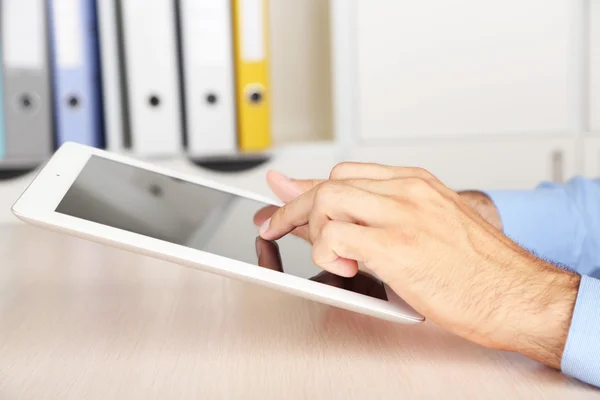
557	167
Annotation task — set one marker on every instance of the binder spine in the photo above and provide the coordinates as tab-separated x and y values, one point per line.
27	86
252	74
76	84
207	60
152	77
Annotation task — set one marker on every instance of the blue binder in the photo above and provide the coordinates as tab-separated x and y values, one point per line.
76	72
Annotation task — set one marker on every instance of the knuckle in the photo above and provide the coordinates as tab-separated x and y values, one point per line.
318	252
418	186
341	170
422	173
399	210
313	233
326	192
316	255
279	215
328	233
282	216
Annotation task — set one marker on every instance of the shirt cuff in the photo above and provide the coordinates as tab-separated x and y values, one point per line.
543	221
581	357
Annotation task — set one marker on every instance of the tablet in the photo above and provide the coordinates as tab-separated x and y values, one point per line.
126	203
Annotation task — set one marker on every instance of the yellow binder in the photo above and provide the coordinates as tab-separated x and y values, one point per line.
250	28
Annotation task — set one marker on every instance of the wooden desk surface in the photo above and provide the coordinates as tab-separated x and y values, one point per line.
83	321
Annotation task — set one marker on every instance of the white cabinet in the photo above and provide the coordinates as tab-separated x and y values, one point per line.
508	164
594	65
443	69
486	94
591	157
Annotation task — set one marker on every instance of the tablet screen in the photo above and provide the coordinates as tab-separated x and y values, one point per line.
151	204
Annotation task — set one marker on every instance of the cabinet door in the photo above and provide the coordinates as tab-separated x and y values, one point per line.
591	157
443	68
594	67
483	164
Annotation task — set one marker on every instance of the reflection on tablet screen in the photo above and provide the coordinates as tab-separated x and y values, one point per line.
188	214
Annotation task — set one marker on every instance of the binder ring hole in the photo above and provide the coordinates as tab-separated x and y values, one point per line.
255	94
211	98
154	101
255	97
73	101
155	190
26	102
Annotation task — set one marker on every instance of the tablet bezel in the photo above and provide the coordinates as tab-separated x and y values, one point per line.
38	203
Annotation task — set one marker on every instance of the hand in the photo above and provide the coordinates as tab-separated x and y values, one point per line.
437	253
288	189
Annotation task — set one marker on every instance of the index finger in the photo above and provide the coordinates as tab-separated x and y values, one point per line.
355	201
287	189
294	214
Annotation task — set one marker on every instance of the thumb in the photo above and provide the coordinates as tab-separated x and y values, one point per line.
288	189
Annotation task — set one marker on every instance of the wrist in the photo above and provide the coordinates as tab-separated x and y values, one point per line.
536	324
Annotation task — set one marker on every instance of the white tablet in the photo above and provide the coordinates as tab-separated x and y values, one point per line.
122	202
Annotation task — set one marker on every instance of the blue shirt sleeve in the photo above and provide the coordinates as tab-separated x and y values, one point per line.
561	223
556	222
581	357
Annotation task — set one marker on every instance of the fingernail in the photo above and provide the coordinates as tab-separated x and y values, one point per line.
264	227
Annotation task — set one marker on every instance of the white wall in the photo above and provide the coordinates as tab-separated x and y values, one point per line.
300	70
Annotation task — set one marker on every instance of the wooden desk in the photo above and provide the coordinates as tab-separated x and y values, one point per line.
82	321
